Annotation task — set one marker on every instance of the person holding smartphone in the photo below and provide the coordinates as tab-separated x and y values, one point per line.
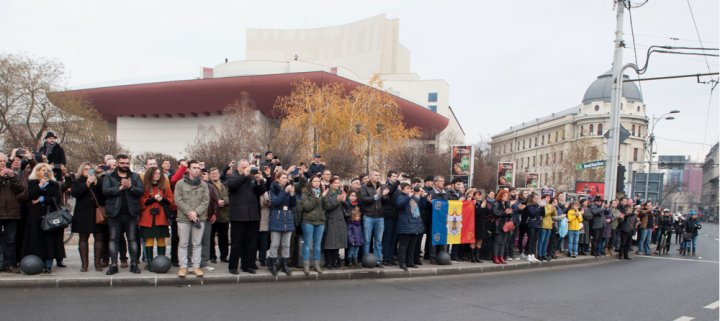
10	188
85	189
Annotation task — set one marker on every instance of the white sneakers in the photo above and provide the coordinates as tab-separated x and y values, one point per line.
523	256
531	258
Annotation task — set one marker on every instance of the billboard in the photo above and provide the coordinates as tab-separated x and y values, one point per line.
532	180
462	162
506	174
590	189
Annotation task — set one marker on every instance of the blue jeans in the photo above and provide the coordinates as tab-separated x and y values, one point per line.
694	241
543	244
312	234
573	237
389	243
644	241
353	251
373	227
603	243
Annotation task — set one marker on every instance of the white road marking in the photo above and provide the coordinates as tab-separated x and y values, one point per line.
684	318
676	259
712	306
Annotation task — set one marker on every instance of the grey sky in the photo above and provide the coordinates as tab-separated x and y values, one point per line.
505	61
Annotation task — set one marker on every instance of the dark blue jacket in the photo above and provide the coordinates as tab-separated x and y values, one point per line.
534	215
281	220
407	222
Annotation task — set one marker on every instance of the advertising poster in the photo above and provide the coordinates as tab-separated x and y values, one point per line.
532	180
590	189
506	175
461	163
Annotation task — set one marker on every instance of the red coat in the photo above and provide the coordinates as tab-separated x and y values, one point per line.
146	218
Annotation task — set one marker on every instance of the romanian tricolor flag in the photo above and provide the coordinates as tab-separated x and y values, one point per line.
453	222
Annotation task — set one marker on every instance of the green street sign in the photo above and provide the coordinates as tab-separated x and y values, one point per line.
589	165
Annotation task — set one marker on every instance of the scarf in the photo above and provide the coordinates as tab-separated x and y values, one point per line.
193	182
49	148
316	192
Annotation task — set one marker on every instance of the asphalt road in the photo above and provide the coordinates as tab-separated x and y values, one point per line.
646	288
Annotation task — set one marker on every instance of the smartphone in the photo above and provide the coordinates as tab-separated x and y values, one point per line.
47	174
91	172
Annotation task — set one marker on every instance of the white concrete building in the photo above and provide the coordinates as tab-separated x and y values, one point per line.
164	117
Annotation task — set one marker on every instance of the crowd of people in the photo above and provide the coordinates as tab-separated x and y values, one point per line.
254	211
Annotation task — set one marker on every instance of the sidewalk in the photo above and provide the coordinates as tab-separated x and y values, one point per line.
72	277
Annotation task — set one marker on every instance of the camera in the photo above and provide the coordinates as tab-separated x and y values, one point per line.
416	189
254	170
197	224
154	211
20	153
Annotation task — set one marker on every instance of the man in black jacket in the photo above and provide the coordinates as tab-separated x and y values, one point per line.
122	190
245	187
54	153
390	217
598	223
371	196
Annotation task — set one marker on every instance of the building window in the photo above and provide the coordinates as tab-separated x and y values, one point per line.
635	154
640	131
563	136
432	97
535	141
561	156
521	162
542	140
540	160
554	157
559	178
600	130
633	129
638	109
582	129
591	131
597	107
545	180
523	144
533	161
433	108
556	136
528	162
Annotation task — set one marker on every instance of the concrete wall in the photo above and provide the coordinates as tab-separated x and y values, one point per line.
165	135
368	46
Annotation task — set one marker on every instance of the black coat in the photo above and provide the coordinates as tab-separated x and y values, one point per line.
369	204
245	195
85	205
46	245
481	231
113	194
498	211
57	156
388	201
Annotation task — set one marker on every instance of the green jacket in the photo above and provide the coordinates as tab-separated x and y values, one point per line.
189	197
312	209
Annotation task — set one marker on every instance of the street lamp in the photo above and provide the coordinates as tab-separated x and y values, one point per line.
651	140
369	138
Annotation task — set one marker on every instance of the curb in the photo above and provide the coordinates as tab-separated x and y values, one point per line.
152	279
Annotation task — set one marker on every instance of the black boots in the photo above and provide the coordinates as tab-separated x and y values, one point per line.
113	269
271	266
134	268
284	266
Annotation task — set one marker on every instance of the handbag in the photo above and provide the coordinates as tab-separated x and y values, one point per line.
509	226
100	216
58	219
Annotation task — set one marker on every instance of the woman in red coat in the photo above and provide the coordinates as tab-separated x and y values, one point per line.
154	223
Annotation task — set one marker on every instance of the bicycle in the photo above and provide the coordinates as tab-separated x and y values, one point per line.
663	243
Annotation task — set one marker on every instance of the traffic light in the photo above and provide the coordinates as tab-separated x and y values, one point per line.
620	179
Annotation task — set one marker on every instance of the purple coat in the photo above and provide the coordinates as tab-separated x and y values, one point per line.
355	234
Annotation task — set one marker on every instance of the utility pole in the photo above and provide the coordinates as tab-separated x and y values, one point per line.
613	147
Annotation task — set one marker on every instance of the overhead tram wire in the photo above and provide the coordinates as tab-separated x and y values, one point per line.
714	81
632	31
